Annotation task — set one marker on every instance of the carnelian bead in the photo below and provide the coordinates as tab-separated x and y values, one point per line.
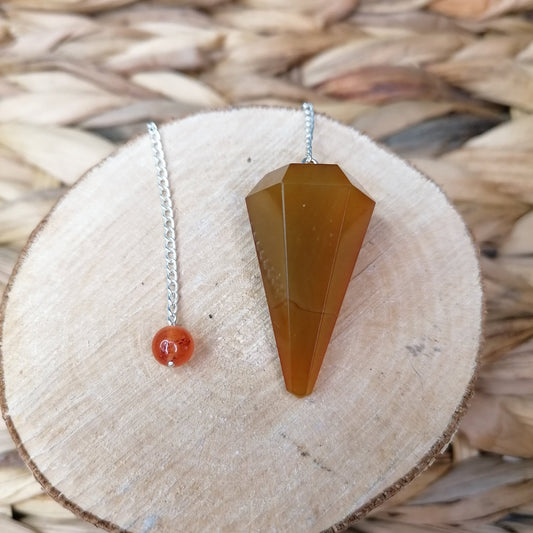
172	346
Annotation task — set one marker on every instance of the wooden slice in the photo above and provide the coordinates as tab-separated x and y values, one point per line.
218	444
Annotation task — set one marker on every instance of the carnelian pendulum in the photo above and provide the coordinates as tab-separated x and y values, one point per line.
171	345
308	223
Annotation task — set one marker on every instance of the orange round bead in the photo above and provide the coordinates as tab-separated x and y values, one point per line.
172	346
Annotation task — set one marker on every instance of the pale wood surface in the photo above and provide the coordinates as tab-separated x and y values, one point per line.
219	443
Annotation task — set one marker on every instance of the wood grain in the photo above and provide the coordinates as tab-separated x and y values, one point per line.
219	443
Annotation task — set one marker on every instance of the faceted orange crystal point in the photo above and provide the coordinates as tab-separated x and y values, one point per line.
172	346
308	223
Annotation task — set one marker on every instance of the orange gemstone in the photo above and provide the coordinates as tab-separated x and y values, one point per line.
308	224
172	346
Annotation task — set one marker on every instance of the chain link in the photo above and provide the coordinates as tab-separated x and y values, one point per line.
169	226
309	129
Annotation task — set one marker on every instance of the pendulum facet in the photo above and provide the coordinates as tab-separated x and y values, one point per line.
308	223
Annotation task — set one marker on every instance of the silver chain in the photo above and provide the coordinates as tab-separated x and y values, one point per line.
169	226
169	231
309	129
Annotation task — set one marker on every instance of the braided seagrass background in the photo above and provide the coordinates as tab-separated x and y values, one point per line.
447	84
